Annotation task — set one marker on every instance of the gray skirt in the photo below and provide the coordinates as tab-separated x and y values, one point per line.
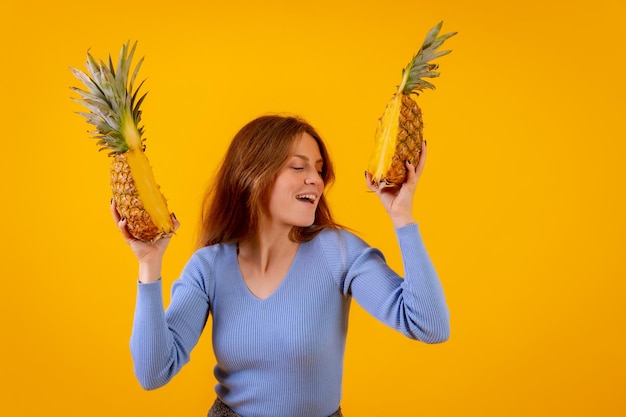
220	409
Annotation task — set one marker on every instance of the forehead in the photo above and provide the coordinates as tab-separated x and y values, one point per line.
305	146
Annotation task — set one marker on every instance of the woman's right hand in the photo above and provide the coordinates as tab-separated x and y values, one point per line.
148	254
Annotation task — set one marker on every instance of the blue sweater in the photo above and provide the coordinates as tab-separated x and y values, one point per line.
283	355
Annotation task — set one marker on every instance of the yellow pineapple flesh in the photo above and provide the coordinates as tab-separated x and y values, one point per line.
115	112
399	134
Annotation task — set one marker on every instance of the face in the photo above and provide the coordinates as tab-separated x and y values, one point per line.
298	186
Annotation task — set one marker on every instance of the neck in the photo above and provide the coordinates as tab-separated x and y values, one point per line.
267	248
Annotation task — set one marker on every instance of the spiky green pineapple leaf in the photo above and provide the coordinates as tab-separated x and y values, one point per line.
421	65
111	98
134	76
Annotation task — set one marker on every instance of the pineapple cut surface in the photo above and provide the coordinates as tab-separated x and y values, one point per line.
148	190
386	134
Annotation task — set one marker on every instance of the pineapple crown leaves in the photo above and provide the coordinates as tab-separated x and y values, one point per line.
421	65
111	98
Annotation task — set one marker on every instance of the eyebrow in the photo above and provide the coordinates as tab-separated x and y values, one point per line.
306	158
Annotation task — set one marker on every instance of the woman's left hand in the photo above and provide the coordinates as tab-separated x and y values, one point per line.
398	201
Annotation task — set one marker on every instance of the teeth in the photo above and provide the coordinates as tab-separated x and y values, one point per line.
309	197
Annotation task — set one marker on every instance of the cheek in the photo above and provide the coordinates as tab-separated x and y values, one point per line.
278	195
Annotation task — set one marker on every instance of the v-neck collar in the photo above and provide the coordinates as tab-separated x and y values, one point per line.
283	281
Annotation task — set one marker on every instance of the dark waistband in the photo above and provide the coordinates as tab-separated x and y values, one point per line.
219	409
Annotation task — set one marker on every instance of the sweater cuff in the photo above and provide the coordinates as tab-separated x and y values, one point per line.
150	294
408	229
147	283
410	238
149	311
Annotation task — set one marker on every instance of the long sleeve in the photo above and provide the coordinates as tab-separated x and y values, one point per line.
415	305
161	341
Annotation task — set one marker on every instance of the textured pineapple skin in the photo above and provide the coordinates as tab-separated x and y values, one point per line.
129	205
408	142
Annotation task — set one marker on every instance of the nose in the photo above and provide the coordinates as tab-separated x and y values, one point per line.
313	178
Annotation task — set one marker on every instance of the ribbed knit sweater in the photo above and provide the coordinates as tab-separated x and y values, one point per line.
283	355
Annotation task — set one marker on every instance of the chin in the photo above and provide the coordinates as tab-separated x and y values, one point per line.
306	223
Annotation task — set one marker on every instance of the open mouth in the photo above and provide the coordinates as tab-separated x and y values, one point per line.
310	198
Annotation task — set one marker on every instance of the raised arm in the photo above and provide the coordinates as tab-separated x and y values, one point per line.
414	305
161	341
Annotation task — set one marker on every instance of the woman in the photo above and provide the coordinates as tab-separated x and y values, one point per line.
278	274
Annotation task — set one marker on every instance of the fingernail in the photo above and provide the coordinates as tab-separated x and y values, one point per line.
122	219
425	143
365	174
174	216
409	161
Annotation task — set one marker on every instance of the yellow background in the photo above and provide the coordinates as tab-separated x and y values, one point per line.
522	203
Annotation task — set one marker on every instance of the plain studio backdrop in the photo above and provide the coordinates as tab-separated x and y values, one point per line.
521	204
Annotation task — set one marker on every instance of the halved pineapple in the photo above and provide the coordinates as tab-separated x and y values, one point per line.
399	132
114	110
